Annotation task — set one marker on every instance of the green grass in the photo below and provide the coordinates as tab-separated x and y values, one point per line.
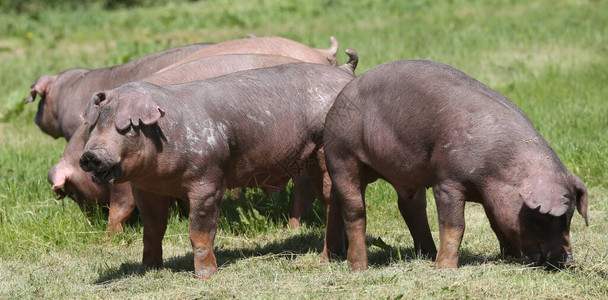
548	57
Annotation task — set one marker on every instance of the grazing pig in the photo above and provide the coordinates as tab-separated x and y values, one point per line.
272	45
64	96
420	124
255	128
68	179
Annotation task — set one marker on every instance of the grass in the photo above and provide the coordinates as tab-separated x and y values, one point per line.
548	57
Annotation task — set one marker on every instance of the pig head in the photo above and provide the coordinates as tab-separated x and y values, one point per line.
536	222
109	155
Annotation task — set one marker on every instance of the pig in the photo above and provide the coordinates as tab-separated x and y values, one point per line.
64	96
254	128
272	45
419	124
68	179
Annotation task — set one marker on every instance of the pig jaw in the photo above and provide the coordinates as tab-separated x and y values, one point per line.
546	239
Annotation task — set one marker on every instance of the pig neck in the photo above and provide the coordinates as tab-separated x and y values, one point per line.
535	158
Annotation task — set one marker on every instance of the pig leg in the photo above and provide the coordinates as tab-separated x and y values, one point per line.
450	201
412	205
335	241
346	210
154	210
302	200
122	205
204	212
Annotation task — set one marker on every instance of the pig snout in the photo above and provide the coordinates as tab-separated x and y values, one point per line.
554	260
97	162
90	161
560	260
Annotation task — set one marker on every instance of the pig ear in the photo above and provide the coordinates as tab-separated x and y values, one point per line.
546	196
581	196
91	113
57	177
41	87
136	107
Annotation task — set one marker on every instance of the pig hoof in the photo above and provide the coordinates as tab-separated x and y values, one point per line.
358	266
293	223
445	265
205	273
329	255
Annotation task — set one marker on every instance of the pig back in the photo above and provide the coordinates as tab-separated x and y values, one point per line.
431	116
259	118
215	66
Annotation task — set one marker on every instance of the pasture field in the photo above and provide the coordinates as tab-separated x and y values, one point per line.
549	57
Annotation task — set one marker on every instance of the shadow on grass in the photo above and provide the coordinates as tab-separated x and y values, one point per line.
245	212
297	244
302	244
381	254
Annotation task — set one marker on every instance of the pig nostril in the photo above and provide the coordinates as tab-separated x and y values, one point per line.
89	161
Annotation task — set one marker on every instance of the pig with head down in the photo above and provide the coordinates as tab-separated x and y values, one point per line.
255	128
64	96
420	124
68	179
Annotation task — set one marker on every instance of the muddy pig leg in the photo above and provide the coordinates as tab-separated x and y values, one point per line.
204	212
346	210
122	205
450	209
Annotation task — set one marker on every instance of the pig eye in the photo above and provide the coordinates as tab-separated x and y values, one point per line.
91	127
131	132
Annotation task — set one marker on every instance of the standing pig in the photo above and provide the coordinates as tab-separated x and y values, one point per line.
272	45
420	124
63	97
68	179
254	128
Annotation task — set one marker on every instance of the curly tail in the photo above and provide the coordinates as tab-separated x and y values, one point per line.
331	52
353	60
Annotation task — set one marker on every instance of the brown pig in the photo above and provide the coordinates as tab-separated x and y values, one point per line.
272	45
64	96
255	128
420	124
68	179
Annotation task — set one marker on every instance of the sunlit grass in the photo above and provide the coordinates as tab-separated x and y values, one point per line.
548	57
